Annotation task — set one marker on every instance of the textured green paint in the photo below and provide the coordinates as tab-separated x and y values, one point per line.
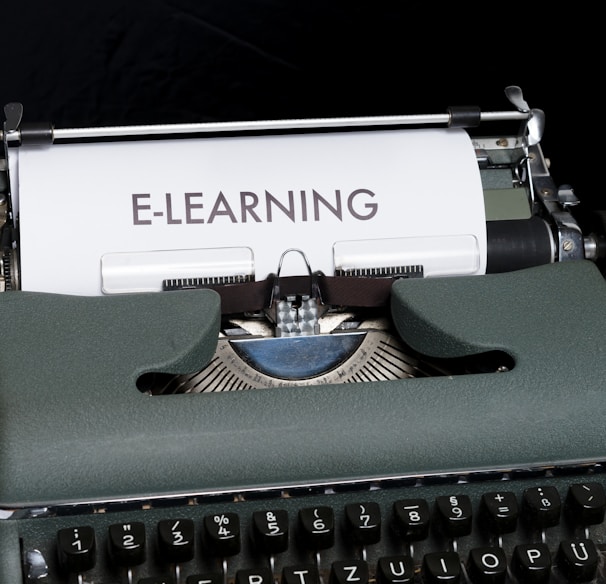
504	204
73	426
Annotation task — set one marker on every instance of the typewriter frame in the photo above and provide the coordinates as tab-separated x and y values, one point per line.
69	368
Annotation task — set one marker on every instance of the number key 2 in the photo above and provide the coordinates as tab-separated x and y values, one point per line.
127	543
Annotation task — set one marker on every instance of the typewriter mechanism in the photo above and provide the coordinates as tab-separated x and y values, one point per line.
311	329
383	364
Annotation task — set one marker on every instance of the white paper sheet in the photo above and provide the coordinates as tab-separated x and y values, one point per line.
79	203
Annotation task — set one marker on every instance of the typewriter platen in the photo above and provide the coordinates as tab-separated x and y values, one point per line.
374	421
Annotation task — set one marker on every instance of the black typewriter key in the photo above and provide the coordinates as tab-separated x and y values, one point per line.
222	534
176	540
348	572
531	563
157	580
300	575
250	576
127	543
411	518
395	570
487	565
76	547
317	527
270	530
586	503
454	514
542	506
499	512
210	578
577	560
441	568
363	522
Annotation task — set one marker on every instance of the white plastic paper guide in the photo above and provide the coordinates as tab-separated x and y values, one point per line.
112	217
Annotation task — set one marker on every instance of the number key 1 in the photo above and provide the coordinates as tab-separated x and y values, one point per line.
77	548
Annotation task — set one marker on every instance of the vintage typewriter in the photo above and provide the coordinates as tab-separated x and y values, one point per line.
198	387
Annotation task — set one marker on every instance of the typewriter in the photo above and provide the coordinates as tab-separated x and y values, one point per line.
388	369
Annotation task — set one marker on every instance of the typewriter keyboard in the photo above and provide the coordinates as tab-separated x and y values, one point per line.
524	527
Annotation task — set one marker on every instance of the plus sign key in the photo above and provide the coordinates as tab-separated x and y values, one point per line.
499	512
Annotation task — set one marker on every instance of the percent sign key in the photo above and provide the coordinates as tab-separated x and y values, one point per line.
222	534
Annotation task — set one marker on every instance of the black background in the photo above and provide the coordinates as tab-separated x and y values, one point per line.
161	61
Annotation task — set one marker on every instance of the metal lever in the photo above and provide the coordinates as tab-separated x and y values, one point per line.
13	112
535	124
295	314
